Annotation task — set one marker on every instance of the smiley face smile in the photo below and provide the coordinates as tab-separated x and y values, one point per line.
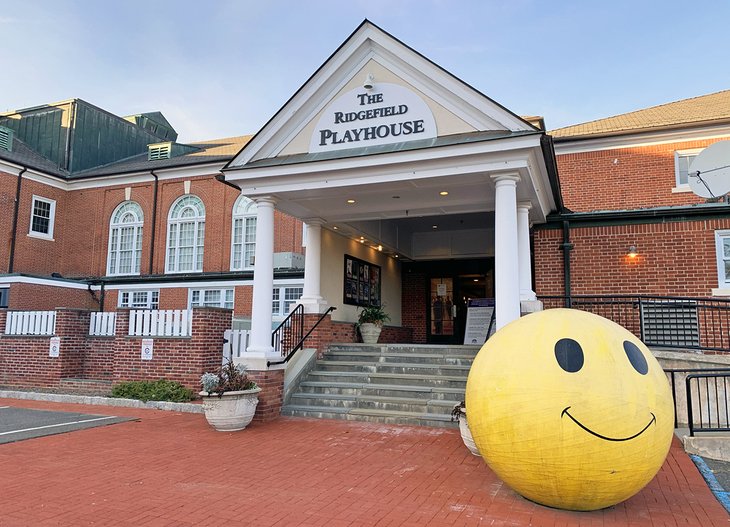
565	412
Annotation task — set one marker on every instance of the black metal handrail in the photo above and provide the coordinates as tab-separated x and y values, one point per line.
712	405
290	330
662	321
300	344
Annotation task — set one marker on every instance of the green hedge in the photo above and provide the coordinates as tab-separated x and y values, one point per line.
160	390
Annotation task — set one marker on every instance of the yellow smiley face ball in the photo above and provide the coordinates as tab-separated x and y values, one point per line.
569	409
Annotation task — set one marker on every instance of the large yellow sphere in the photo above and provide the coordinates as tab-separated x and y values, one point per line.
569	409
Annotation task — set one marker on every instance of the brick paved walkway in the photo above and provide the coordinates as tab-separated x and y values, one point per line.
172	469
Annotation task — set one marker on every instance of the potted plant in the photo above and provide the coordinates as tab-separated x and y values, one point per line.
370	323
229	397
459	414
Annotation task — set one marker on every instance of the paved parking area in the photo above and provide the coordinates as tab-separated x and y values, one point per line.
172	469
18	424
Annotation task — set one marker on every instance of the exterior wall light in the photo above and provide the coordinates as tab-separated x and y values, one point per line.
369	82
632	252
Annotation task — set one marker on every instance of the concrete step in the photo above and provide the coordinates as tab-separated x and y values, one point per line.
453	395
375	402
446	381
392	367
470	351
413	358
370	415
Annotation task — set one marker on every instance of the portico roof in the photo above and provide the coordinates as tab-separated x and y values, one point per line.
452	142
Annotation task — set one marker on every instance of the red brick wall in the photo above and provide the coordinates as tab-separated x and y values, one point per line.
271	396
7	203
81	229
24	361
180	359
44	297
413	305
675	259
623	178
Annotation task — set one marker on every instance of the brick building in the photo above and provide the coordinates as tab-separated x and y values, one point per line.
624	182
408	187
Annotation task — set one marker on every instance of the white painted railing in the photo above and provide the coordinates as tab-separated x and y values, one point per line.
160	323
102	323
236	342
30	323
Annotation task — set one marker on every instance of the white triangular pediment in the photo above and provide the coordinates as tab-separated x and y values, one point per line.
411	99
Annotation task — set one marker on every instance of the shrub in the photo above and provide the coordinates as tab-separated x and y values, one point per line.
160	390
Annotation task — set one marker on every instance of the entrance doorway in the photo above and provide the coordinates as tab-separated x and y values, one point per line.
449	287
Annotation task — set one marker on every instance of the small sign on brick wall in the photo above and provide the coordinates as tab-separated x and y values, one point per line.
147	346
55	347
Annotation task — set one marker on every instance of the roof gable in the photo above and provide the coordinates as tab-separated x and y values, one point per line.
456	107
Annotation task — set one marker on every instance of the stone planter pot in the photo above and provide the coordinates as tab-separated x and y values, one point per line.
370	332
232	411
466	435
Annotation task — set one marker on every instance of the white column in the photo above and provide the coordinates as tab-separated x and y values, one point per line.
506	254
263	283
523	248
311	295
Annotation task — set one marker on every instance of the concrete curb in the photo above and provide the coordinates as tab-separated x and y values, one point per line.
720	493
103	401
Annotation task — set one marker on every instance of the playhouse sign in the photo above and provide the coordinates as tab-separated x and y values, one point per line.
386	114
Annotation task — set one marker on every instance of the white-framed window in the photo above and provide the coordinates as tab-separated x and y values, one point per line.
722	246
42	217
4	296
210	298
125	239
139	299
283	298
185	235
682	160
243	235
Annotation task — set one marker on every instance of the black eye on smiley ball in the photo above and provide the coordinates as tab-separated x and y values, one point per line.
570	357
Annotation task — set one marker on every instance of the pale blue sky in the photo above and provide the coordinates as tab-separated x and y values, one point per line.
223	68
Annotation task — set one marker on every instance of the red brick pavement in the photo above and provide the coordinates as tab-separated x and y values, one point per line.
170	469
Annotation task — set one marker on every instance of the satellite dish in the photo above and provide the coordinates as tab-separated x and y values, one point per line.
709	173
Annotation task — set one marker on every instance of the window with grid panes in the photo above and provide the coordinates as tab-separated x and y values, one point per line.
284	297
139	299
682	160
211	298
722	245
42	217
243	239
186	235
125	239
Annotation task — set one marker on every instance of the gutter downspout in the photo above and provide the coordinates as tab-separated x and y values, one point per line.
566	247
222	179
154	225
13	236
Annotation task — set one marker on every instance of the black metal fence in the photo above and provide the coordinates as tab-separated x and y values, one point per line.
707	401
661	321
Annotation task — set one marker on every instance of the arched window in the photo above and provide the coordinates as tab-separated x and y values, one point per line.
185	235
125	239
243	238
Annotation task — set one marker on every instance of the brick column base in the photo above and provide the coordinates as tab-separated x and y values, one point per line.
271	396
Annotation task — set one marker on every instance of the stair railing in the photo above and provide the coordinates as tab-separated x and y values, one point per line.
300	343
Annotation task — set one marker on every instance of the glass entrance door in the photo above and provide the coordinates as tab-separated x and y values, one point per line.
442	310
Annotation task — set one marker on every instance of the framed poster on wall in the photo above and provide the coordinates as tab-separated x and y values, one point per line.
362	282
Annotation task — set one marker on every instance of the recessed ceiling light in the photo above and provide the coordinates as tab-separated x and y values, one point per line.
335	227
476	279
351	201
395	256
362	241
434	226
380	247
362	237
443	193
